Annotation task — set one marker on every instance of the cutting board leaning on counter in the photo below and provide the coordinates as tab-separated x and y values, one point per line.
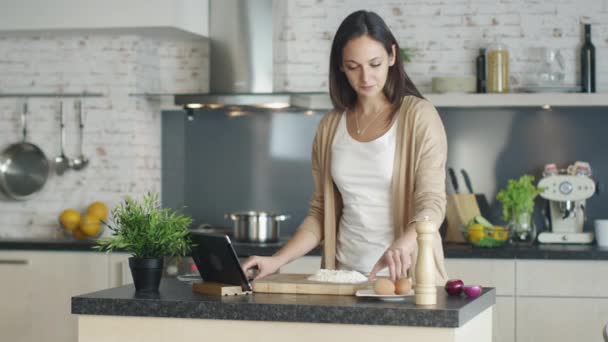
378	163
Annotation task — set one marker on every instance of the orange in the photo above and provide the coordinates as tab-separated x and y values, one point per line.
90	225
98	209
499	233
78	234
69	219
476	232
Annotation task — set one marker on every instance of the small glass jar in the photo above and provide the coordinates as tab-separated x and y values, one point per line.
497	68
523	228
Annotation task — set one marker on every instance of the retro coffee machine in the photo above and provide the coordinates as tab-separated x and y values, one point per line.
567	192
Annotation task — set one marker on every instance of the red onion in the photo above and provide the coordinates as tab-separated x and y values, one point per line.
454	287
472	291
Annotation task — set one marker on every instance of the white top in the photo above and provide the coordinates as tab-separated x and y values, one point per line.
363	172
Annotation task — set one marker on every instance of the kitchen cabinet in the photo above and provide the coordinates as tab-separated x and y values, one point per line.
135	16
58	276
17	287
36	292
562	278
497	273
561	319
561	300
120	273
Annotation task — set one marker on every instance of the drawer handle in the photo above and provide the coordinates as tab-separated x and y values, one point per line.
14	262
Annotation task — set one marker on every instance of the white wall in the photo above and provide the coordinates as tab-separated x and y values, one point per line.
446	34
122	132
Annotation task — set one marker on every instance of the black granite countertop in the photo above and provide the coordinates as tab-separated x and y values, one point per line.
537	251
451	250
176	299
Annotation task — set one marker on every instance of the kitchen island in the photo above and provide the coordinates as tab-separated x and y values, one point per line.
176	313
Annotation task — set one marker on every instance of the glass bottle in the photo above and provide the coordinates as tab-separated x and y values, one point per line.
497	68
588	63
480	66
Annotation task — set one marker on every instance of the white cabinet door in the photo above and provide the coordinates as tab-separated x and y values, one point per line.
562	278
503	327
497	273
58	276
17	281
188	15
120	273
561	319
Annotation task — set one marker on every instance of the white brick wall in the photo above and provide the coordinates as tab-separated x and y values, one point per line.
446	34
122	133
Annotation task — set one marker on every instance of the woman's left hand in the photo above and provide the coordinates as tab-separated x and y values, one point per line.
397	258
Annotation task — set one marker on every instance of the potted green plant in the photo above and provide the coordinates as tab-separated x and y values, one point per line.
517	201
149	233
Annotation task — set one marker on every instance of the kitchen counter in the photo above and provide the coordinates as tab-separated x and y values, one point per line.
176	304
451	250
177	300
539	251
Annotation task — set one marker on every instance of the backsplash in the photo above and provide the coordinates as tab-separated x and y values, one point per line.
122	132
445	34
218	164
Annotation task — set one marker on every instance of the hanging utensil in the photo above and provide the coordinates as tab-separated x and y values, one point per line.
24	169
81	161
62	162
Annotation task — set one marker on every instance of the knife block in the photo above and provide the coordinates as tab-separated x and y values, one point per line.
218	289
461	208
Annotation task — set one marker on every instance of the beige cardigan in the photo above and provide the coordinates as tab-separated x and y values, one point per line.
418	179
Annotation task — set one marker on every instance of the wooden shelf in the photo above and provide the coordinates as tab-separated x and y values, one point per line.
519	100
321	100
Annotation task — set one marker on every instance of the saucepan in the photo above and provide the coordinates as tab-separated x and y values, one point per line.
256	226
24	168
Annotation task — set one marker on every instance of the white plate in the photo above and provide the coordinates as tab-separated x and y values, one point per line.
389	298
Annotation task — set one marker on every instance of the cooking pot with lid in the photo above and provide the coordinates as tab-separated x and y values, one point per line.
256	226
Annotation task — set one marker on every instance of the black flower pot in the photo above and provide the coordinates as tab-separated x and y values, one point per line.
146	273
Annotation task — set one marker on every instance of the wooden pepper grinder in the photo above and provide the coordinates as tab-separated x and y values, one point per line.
425	290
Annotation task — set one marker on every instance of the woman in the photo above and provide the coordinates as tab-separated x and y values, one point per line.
378	163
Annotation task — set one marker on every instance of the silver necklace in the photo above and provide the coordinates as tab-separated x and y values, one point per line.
361	130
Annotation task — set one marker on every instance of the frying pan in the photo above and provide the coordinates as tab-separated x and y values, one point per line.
24	168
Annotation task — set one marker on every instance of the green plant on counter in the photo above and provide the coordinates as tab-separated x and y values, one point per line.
406	54
146	230
518	197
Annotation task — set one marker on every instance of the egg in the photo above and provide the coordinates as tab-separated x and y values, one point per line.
403	286
384	286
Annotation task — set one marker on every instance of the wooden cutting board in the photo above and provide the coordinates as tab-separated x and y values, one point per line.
460	209
298	284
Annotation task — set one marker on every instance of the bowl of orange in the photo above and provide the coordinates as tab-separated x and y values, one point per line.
89	225
481	233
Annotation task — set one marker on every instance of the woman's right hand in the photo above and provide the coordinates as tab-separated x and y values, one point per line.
265	266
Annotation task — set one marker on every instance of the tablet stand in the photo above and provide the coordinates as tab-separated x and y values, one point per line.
218	289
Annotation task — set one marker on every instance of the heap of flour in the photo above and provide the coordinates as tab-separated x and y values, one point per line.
338	276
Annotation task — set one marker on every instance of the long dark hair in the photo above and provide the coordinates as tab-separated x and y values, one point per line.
355	25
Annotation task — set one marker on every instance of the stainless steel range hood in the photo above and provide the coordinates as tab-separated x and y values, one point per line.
241	61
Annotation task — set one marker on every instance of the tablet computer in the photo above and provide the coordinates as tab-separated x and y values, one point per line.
217	261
